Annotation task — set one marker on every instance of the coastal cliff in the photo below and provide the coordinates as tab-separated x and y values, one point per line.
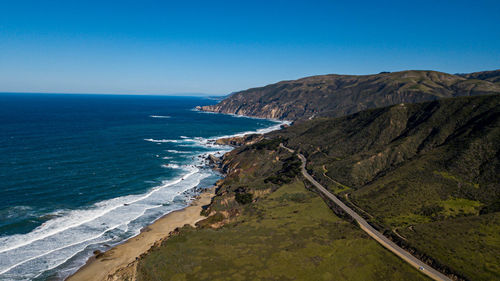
339	95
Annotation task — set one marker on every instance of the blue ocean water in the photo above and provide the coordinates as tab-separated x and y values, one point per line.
80	173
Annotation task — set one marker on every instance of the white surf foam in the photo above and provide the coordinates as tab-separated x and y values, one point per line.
173	166
178	152
59	239
159	116
161	141
259	131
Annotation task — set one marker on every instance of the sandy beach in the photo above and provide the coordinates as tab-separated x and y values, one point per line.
119	261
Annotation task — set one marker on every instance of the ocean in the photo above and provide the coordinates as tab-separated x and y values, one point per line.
80	173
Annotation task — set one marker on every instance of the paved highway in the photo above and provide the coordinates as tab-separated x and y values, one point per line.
379	237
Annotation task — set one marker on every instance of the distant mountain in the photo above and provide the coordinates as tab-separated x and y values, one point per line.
491	76
217	98
339	95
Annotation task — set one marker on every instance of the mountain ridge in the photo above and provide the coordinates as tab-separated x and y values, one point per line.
335	95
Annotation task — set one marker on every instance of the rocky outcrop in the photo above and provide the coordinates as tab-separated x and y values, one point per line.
239	141
217	163
339	95
213	161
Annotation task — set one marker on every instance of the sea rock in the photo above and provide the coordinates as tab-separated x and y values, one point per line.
214	161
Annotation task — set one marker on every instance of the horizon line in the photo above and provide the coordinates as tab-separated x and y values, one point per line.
119	94
194	94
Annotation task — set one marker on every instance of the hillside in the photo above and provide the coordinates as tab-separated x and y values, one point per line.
427	174
265	225
339	95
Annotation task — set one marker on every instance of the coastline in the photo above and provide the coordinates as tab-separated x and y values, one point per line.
283	121
120	261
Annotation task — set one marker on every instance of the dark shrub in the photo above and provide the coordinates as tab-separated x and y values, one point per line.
217	217
244	198
491	208
430	210
271	144
289	170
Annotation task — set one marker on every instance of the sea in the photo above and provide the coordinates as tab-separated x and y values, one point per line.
80	173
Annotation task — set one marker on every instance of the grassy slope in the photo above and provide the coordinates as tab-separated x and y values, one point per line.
287	233
455	236
471	244
425	170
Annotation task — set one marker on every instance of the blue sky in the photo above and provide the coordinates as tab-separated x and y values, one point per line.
217	47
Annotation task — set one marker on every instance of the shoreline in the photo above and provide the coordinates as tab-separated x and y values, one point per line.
119	262
283	121
121	259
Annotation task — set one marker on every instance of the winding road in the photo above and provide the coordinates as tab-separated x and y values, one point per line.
379	237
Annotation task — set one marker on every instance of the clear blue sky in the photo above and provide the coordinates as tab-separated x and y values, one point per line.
217	47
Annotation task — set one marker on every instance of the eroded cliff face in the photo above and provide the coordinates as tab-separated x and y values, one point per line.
339	95
240	140
270	111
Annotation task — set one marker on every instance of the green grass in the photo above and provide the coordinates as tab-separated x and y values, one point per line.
406	220
449	176
470	245
289	234
459	206
329	182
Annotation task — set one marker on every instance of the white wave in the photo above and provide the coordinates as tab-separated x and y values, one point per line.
59	239
173	166
178	152
259	131
161	141
159	116
275	127
89	239
58	249
210	143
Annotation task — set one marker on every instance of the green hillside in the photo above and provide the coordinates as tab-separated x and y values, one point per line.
271	231
419	172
